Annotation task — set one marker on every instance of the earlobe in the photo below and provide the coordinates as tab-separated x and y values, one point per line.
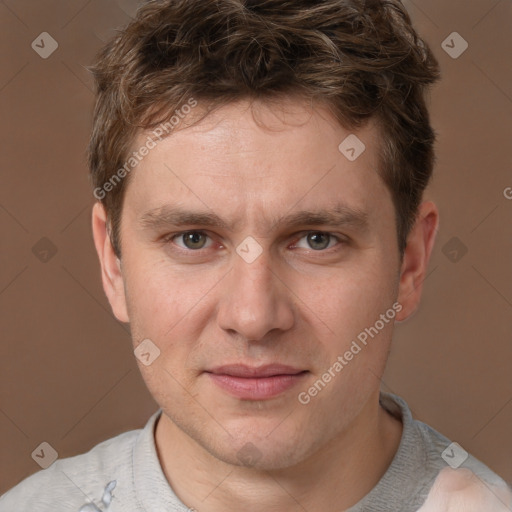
420	243
111	272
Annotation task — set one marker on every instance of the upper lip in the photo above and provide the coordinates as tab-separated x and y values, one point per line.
242	370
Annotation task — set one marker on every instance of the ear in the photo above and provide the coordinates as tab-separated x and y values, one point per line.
111	273
416	257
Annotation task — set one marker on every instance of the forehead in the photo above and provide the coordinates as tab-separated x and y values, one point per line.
251	155
243	124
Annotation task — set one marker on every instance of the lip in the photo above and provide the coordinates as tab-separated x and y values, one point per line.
243	370
256	383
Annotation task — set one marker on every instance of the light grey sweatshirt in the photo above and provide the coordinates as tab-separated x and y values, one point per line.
123	474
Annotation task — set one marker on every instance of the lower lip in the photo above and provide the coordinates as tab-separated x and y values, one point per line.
256	388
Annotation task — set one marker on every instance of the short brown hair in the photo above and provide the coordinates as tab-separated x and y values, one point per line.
361	59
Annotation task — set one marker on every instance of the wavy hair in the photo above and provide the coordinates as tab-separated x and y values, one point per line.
361	59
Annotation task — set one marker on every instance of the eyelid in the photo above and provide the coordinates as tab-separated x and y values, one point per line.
170	238
341	239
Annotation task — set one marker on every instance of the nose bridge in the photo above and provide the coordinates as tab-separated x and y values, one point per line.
256	301
256	278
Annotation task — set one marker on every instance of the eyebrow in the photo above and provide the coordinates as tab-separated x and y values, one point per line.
339	216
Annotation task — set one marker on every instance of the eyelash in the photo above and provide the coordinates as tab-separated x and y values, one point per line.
341	240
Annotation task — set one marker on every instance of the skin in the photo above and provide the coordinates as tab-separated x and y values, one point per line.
296	304
460	490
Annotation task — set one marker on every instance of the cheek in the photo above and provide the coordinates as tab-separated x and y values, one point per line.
154	296
171	308
348	298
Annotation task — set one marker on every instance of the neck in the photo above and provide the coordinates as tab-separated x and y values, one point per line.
334	478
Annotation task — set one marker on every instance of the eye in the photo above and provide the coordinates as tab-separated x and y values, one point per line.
318	241
193	240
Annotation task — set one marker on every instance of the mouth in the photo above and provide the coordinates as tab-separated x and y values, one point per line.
256	383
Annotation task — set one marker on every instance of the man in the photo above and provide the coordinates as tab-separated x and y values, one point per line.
259	168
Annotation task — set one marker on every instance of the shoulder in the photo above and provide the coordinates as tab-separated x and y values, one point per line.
461	490
69	483
446	477
446	454
462	482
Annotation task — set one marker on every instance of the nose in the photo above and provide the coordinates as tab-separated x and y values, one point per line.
256	301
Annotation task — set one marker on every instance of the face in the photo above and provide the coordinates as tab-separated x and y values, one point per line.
254	253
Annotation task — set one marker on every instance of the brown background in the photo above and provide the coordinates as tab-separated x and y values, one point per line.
67	371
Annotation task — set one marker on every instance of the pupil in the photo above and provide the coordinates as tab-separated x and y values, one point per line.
193	239
315	240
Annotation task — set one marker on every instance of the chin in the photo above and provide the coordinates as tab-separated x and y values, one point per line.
277	451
